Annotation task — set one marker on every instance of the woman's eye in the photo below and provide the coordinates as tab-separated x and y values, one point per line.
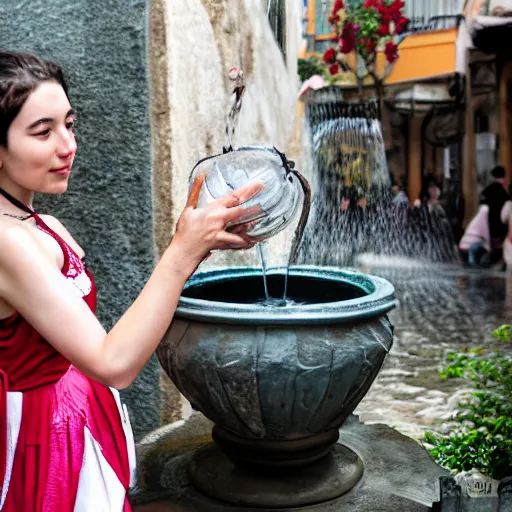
43	133
70	125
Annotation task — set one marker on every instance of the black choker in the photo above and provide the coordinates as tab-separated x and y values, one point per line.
19	217
19	205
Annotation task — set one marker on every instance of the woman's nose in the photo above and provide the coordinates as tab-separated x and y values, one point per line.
67	145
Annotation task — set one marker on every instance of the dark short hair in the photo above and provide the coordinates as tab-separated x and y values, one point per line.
498	172
20	74
428	181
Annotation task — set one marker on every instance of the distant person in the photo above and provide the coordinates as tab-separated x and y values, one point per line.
495	196
506	218
399	196
475	244
430	197
431	220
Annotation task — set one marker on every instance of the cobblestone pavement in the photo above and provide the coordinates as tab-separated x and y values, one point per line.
440	309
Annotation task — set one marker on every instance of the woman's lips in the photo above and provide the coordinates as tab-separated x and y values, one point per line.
62	171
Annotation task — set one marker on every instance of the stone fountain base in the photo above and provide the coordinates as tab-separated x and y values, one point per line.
215	475
399	475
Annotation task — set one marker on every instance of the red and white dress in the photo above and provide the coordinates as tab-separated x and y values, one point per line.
65	440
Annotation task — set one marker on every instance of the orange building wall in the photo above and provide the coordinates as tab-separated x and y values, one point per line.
425	55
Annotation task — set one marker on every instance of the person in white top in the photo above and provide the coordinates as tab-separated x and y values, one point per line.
506	218
475	244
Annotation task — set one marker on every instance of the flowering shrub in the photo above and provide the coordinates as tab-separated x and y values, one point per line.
370	26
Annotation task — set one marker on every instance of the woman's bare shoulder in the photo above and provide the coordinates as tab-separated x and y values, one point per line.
12	229
16	238
14	241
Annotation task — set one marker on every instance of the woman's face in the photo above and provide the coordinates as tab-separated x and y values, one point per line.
40	142
434	192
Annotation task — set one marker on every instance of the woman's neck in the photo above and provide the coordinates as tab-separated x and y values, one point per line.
22	194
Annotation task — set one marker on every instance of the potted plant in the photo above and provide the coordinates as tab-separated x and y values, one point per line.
367	28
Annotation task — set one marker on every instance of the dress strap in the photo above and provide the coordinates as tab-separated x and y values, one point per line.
17	203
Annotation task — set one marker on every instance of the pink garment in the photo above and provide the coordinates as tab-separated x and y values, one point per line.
65	440
477	230
313	83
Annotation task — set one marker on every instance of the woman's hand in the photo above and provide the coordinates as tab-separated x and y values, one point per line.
202	230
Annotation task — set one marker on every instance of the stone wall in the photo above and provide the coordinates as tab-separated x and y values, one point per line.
202	39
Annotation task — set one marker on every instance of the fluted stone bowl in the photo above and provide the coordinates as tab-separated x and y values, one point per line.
278	382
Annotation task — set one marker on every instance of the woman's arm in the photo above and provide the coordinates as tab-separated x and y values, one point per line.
34	286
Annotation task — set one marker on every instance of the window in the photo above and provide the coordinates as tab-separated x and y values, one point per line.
426	15
276	13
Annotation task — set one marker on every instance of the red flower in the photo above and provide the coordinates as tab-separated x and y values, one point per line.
386	18
334	68
348	38
370	3
382	7
371	46
401	24
391	52
334	19
330	56
389	13
383	30
395	10
346	46
338	5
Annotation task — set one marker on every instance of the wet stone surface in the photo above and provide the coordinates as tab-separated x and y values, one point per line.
440	309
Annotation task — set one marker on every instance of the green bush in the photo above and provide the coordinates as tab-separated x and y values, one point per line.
309	67
481	437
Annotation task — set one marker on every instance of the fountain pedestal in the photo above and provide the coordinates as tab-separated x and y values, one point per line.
214	474
399	475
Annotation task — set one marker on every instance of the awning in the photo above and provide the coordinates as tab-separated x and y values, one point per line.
420	98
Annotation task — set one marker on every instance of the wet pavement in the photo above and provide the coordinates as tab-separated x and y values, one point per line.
440	309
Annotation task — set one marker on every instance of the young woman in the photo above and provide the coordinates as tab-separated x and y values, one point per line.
65	440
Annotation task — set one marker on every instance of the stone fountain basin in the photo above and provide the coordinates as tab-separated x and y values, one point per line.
274	374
